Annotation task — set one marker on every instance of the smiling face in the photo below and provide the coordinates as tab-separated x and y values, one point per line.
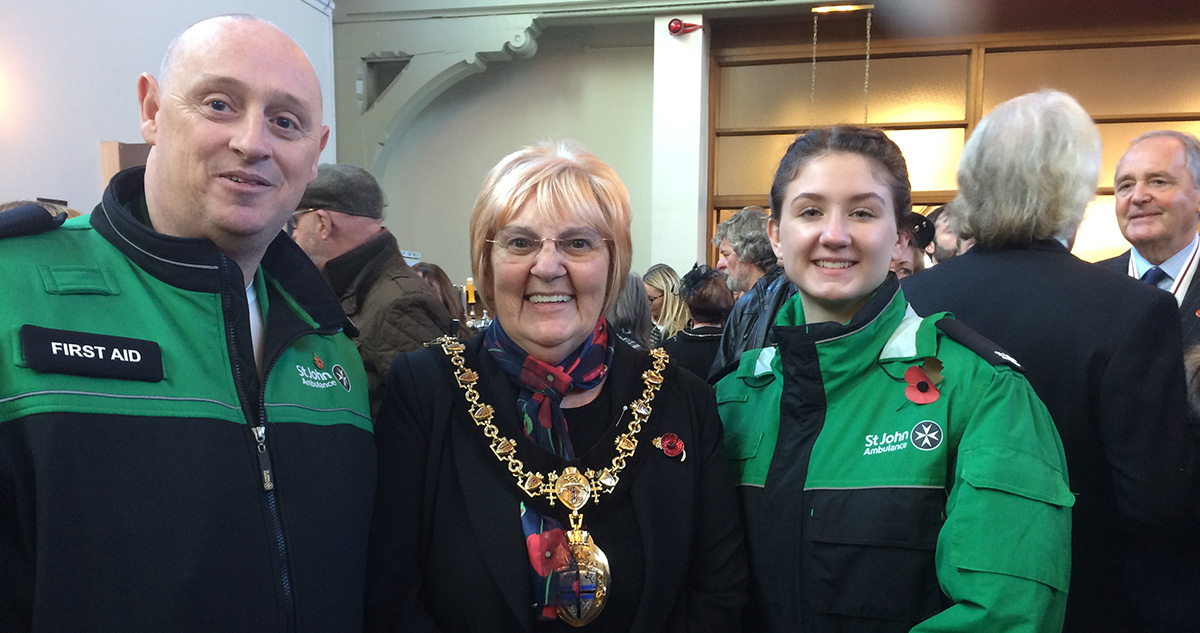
836	234
236	129
546	303
1156	200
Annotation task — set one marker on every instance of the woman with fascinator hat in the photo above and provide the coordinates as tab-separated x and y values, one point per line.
544	475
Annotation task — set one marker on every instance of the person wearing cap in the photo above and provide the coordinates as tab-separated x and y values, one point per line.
339	223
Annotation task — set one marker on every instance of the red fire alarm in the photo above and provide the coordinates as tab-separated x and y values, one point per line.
679	27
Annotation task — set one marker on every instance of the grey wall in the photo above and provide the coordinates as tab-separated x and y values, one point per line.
590	84
68	72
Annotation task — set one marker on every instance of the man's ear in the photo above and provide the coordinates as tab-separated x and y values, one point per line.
900	245
148	100
324	223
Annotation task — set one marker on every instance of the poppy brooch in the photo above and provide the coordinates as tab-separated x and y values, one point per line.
670	444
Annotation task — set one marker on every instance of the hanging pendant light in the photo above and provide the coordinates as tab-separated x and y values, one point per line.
812	97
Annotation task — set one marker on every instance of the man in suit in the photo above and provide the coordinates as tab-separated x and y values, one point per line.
1109	372
1157	187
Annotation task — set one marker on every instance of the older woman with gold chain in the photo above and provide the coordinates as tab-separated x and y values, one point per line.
544	475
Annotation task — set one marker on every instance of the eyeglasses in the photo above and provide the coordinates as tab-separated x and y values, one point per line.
653	298
290	227
576	245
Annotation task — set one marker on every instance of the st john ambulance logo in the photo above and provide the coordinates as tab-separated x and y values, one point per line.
927	435
340	375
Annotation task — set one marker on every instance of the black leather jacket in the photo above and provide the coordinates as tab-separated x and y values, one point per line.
750	323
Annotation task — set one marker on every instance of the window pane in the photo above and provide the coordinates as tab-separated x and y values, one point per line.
1099	237
932	157
1116	137
779	95
1106	81
746	164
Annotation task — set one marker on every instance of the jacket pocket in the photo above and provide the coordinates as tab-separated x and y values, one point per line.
1010	498
871	553
741	449
742	446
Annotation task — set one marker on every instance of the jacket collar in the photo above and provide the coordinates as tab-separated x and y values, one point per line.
195	264
352	273
867	317
851	348
1051	246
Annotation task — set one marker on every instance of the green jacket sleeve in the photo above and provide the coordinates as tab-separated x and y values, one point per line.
1003	555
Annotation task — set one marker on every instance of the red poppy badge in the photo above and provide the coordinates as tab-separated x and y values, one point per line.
670	444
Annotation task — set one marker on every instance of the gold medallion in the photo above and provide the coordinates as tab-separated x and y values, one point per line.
583	587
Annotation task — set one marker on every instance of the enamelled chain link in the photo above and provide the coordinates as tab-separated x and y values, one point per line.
548	485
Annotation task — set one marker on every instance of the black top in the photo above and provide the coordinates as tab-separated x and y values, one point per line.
447	552
588	425
695	348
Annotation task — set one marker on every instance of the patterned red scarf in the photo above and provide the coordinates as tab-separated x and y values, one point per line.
543	385
540	402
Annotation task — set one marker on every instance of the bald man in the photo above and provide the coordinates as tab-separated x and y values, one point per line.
185	439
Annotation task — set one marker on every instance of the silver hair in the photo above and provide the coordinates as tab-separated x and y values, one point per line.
746	231
1191	148
1028	171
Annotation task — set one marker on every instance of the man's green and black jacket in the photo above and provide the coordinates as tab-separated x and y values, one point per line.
150	480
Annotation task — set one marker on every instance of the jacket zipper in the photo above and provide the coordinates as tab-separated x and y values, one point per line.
259	432
268	477
268	484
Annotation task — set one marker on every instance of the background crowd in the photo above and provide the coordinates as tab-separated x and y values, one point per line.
237	407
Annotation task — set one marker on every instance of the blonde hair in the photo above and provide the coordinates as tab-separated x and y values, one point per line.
674	315
554	181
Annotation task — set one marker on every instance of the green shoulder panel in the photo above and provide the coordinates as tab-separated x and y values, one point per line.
92	297
748	402
81	300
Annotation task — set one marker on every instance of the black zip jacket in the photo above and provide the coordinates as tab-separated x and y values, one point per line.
149	479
